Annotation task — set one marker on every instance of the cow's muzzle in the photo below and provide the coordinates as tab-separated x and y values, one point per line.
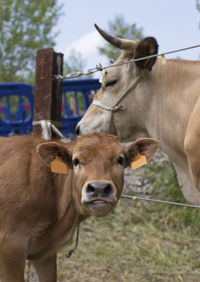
77	130
99	197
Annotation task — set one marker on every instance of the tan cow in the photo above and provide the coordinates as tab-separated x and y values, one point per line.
40	209
150	99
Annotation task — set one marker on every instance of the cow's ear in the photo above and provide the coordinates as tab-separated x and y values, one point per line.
140	152
146	47
57	156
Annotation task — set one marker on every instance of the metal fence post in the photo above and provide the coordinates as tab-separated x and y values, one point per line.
48	91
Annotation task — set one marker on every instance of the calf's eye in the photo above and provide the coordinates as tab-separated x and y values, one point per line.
76	161
120	160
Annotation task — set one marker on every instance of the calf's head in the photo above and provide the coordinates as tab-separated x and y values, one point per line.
96	163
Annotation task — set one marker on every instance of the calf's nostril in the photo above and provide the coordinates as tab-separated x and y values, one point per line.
90	189
107	190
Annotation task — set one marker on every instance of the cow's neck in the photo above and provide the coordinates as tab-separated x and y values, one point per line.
164	102
176	90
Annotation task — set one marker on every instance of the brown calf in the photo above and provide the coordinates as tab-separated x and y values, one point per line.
40	209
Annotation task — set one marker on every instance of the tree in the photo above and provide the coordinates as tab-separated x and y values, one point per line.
25	26
75	63
198	5
120	28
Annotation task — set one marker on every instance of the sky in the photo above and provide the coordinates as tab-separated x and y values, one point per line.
174	23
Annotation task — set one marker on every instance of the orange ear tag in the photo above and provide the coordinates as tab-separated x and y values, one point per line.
58	166
139	161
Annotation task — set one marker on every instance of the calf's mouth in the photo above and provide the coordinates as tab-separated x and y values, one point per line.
99	197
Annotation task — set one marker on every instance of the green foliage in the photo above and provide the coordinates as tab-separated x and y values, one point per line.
166	187
198	5
74	63
25	26
120	28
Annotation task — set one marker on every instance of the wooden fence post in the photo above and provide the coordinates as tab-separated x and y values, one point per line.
48	91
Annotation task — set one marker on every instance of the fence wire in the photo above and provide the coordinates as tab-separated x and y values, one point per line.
99	66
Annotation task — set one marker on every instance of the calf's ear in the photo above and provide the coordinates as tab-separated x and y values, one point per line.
56	156
140	152
146	47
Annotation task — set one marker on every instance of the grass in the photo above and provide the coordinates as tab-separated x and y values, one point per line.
150	242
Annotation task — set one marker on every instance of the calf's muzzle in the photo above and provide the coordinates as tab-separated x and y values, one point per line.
99	197
95	190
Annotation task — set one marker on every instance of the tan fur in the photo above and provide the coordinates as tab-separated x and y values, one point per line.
165	105
40	210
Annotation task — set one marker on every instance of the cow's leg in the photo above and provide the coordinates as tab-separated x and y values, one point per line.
46	269
12	262
192	144
190	192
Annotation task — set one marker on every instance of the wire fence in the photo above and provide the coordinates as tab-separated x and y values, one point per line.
99	66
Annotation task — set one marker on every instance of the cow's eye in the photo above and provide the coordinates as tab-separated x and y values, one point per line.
120	160
111	83
76	161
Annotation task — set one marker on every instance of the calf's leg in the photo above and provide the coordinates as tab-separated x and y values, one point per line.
46	269
12	262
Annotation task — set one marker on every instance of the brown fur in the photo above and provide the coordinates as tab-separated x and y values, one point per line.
40	210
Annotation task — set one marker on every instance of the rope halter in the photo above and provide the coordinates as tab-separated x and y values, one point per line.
116	105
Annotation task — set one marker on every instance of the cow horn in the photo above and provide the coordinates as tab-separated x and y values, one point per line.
124	44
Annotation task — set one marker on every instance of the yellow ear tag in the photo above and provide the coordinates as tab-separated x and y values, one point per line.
163	59
103	73
139	161
58	166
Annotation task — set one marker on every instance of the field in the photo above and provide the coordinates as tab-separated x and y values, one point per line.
139	241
